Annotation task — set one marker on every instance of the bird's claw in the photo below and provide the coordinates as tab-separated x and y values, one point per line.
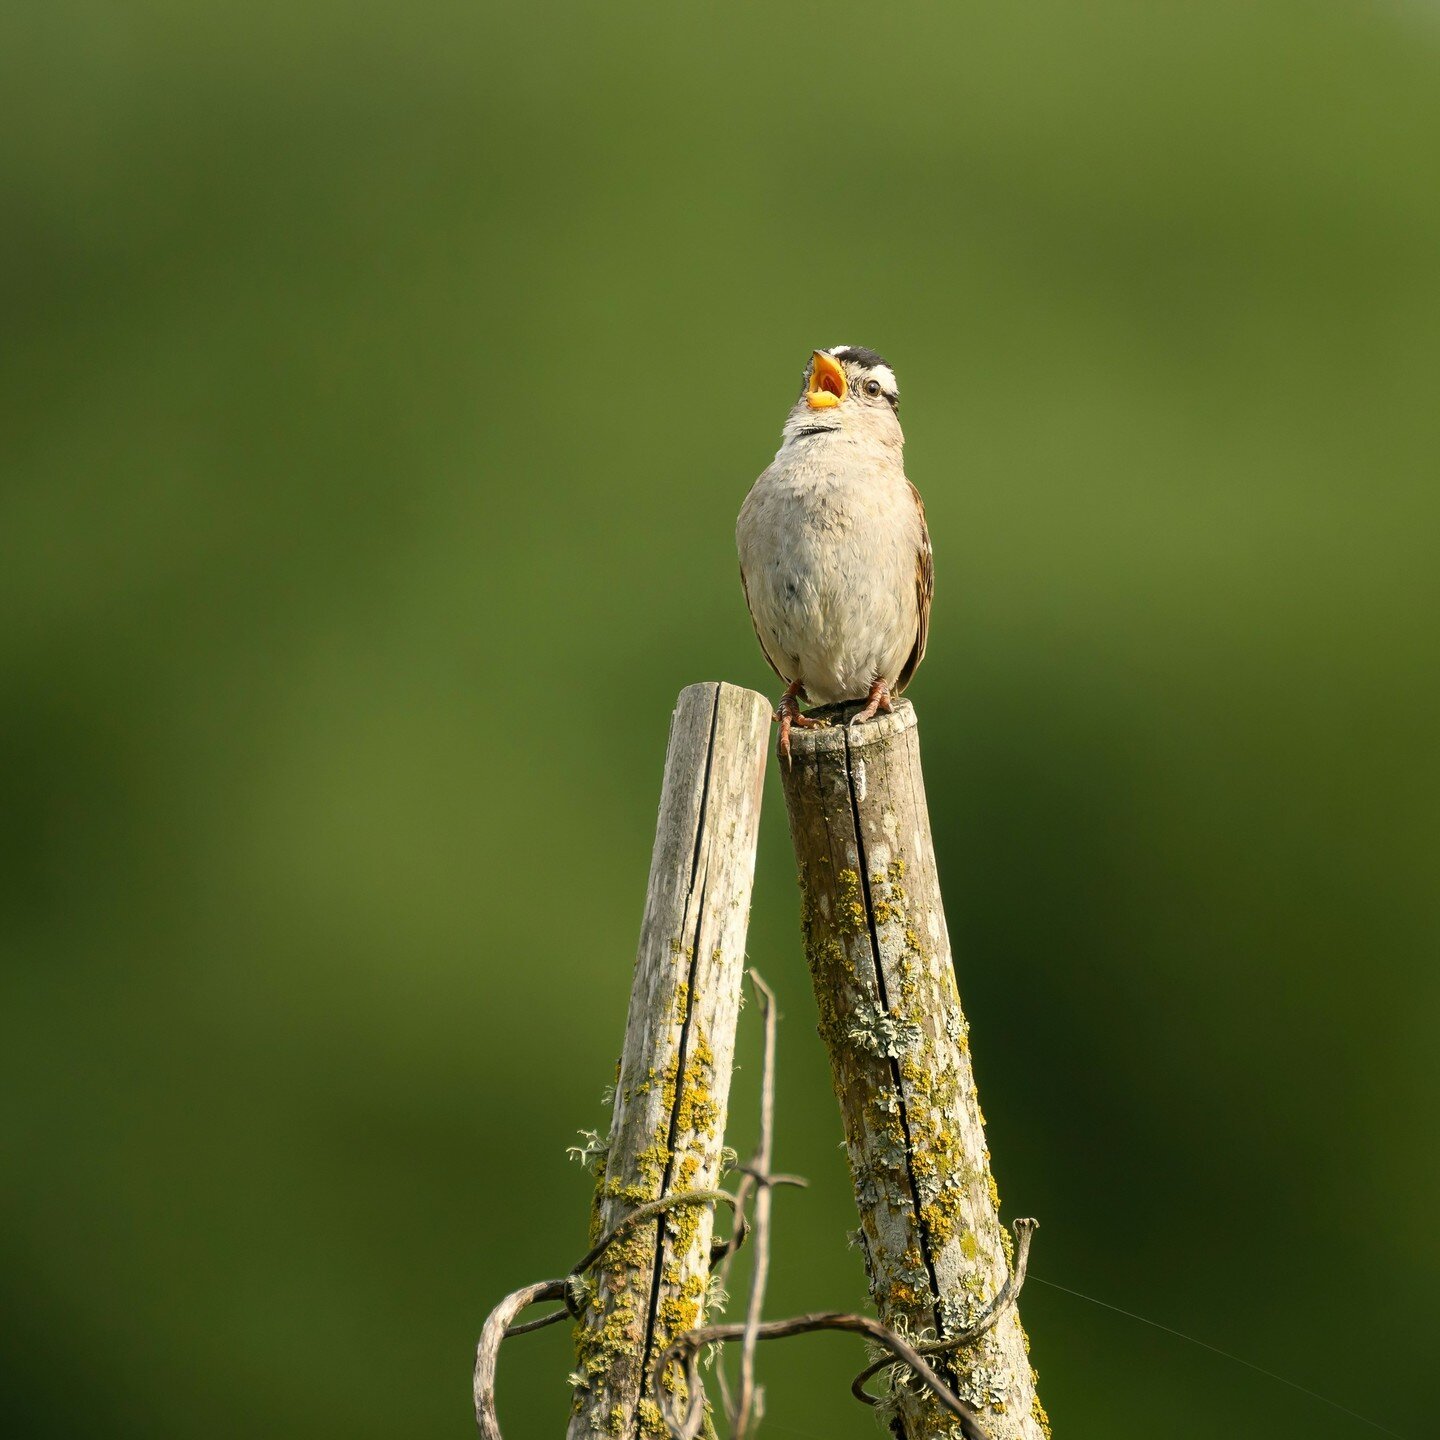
876	702
789	716
800	722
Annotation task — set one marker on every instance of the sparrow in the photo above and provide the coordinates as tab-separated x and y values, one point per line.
835	555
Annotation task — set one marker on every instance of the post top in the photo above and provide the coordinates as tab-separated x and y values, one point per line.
712	692
837	729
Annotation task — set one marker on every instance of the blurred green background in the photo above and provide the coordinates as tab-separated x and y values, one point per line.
380	384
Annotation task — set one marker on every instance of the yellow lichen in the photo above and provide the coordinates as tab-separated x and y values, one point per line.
850	913
1037	1412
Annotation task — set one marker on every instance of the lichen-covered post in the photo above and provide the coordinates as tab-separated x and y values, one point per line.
879	956
671	1090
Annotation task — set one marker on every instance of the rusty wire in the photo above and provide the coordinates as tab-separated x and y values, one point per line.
756	1183
498	1328
1009	1293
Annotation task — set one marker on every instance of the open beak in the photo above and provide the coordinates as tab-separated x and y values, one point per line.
827	382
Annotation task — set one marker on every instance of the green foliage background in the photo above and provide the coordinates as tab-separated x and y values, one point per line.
380	383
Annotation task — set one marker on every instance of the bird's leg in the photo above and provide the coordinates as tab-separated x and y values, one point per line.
790	717
876	701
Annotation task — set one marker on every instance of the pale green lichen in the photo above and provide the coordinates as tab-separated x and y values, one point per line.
915	1173
592	1152
883	1032
987	1387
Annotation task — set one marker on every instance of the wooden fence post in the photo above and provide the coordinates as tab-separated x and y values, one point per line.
674	1076
879	955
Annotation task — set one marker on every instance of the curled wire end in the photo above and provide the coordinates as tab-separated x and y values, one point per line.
487	1351
498	1327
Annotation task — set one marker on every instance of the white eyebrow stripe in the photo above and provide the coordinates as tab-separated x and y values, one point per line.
883	373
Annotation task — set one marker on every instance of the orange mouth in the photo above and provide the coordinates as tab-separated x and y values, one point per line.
827	382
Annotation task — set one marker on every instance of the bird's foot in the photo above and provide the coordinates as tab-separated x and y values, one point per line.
876	702
790	718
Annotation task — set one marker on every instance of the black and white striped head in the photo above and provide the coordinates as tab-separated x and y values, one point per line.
847	390
849	373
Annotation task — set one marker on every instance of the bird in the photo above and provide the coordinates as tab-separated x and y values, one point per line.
835	557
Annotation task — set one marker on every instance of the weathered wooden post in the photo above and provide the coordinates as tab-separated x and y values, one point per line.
674	1077
879	955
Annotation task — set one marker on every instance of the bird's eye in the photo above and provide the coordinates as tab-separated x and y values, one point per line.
872	387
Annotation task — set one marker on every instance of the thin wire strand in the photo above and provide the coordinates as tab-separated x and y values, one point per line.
1224	1354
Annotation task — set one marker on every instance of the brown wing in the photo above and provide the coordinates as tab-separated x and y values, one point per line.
924	591
750	609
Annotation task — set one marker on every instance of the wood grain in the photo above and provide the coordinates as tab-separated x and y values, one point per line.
879	955
673	1082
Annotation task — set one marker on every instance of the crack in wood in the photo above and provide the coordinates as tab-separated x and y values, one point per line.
896	1078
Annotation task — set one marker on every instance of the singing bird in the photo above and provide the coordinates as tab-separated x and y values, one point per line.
834	553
